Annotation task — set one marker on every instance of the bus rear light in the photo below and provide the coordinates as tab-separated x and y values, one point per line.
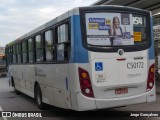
84	75
85	83
87	91
152	70
150	82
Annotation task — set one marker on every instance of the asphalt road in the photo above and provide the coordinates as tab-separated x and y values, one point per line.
9	101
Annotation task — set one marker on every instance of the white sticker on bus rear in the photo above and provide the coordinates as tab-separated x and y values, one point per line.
100	78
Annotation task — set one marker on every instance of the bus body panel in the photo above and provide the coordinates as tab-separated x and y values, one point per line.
53	85
85	103
54	81
117	74
17	75
152	95
137	86
29	78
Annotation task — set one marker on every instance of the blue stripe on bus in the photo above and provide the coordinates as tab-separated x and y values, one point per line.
78	53
151	49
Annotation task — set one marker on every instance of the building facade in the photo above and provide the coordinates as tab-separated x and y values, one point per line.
2	50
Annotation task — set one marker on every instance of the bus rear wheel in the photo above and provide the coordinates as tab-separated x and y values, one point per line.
38	97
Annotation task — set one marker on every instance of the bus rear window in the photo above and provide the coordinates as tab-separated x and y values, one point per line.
115	29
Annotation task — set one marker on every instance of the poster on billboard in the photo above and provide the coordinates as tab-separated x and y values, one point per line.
109	29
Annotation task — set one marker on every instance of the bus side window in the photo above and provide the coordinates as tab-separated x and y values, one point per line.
63	43
30	50
39	49
8	54
19	50
49	45
24	50
15	54
10	59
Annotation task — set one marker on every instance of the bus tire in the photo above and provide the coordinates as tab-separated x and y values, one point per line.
38	97
15	90
156	75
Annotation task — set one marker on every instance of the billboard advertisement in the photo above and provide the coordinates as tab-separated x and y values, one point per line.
110	29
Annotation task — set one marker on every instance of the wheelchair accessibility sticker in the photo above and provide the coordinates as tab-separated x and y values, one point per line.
98	66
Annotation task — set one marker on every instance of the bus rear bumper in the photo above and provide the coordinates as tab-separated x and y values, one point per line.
116	102
85	103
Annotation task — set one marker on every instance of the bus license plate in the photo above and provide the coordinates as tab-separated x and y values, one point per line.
121	91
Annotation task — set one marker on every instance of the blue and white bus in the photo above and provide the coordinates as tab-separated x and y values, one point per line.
88	58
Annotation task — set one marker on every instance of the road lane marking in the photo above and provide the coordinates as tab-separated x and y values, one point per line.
1	111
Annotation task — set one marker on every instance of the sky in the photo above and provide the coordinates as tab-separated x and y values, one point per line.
18	17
